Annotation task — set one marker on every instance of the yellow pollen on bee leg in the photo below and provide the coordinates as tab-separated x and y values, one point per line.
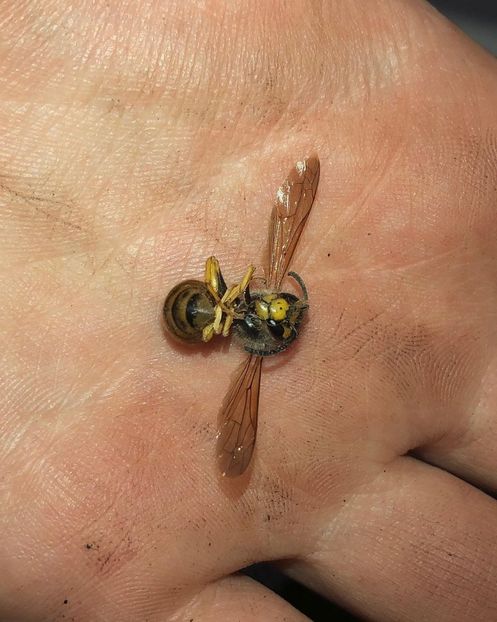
278	309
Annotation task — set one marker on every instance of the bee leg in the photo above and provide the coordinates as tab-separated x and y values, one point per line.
208	332
247	278
227	325
209	275
215	327
230	294
218	320
235	291
213	278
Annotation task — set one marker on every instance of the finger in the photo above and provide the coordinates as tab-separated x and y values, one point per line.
239	598
419	545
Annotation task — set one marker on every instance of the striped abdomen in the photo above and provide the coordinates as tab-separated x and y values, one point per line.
188	308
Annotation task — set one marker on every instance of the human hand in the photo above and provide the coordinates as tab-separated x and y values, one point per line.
140	138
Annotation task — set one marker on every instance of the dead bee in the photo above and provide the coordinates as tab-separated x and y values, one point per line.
265	322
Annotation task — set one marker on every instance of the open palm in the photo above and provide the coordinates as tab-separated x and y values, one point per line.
138	138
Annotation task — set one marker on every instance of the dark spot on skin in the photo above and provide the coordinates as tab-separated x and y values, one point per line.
65	601
329	254
369	233
210	543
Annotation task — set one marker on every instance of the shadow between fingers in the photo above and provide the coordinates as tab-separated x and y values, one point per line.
308	602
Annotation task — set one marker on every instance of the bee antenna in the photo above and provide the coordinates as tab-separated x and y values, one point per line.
299	280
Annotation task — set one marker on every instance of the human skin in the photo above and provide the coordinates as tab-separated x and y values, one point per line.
137	139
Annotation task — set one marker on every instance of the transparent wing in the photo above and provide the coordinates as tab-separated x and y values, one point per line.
294	200
238	419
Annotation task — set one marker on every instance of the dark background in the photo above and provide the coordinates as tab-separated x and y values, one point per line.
478	18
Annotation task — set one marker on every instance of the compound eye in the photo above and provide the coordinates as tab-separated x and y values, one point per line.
277	329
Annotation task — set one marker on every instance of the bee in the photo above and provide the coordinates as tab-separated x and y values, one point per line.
265	321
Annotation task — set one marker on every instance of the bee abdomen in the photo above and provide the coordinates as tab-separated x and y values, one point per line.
188	308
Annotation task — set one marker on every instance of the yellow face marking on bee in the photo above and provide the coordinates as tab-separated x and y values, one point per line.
278	309
262	309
